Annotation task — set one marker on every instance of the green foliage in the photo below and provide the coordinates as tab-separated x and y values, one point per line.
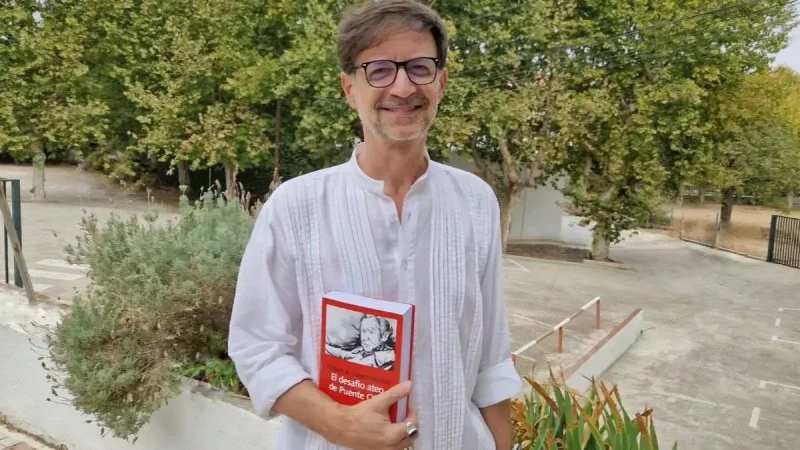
159	302
757	145
554	417
218	373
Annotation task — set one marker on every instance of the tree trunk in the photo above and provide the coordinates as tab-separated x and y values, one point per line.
507	196
727	205
276	159
231	170
600	245
183	176
790	201
39	159
702	196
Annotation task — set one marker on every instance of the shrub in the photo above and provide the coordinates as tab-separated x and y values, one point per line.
555	417
158	306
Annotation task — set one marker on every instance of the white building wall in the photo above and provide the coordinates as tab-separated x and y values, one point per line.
538	214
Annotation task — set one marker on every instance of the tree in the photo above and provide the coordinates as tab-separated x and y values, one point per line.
503	106
757	150
44	104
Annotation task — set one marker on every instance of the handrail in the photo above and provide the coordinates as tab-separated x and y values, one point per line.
560	327
16	213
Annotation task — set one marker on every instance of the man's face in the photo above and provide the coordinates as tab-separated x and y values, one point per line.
370	334
404	110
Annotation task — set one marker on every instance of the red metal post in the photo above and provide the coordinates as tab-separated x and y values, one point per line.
561	340
597	316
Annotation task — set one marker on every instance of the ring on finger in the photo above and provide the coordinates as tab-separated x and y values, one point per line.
411	429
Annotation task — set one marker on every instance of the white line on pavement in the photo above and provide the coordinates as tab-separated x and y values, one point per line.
762	384
61	264
41	287
521	267
777	322
46	274
528	319
777	339
693	399
754	417
788	309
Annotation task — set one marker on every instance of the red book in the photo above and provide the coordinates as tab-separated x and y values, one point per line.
366	348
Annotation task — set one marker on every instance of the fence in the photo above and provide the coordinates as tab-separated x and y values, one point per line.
784	241
16	212
560	327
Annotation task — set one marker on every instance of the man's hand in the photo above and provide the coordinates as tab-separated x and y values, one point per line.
498	419
366	426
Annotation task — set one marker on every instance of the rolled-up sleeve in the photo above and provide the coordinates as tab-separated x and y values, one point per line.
497	377
266	317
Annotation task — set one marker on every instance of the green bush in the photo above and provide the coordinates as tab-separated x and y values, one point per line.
157	308
554	417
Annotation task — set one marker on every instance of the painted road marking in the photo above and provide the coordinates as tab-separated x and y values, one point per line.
777	322
762	384
520	267
41	287
788	309
693	399
528	319
61	264
46	274
777	339
754	418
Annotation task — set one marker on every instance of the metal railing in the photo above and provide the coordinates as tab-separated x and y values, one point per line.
784	241
16	212
559	328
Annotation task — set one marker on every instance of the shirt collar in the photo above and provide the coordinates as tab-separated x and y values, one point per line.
370	184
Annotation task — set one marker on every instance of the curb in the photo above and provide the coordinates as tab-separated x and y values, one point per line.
723	249
585	262
605	353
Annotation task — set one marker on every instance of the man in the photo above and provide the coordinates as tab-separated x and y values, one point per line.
390	224
372	347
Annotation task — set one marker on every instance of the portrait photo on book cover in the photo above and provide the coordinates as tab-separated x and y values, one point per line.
360	338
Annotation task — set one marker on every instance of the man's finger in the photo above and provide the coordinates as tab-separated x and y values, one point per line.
386	399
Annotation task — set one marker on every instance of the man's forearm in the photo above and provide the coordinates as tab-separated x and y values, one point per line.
498	419
311	407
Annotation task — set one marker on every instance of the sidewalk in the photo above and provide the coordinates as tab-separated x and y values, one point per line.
10	440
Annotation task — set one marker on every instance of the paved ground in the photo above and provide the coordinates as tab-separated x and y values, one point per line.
47	227
719	362
10	440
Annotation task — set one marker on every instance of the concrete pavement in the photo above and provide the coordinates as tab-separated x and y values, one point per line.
49	226
719	360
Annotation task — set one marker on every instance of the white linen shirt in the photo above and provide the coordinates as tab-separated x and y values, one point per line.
336	229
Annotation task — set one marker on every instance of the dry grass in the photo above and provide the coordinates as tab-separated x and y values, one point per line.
747	233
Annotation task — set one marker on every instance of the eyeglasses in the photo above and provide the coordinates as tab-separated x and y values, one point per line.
383	73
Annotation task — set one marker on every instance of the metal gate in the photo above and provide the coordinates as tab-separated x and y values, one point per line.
784	241
16	212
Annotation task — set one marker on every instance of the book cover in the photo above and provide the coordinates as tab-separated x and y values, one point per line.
366	349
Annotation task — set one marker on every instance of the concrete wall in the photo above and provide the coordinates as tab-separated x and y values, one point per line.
537	216
606	352
198	419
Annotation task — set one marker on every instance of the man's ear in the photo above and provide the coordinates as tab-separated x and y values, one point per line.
443	76
347	87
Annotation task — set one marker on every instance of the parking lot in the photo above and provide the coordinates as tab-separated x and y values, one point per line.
719	360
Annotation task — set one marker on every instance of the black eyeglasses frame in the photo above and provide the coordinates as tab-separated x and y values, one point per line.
398	65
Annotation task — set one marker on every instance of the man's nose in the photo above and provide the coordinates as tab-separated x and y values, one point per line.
403	86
